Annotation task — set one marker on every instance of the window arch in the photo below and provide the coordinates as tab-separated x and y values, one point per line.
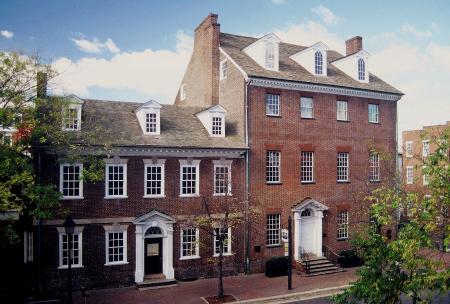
318	63
153	231
270	55
361	69
306	212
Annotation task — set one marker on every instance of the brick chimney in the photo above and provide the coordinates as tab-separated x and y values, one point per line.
353	45
201	78
41	85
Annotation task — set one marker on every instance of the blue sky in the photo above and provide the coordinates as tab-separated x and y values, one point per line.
137	50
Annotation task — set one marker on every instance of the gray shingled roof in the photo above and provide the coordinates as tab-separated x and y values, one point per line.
116	123
292	71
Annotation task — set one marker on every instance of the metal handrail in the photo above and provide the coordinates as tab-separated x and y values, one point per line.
331	255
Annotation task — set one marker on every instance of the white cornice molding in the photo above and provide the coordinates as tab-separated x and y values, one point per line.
327	89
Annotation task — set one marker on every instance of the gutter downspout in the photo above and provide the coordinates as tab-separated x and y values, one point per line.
247	182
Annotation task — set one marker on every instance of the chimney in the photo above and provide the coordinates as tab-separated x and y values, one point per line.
41	86
353	45
206	45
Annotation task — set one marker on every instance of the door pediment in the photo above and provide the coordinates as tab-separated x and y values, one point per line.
154	215
309	203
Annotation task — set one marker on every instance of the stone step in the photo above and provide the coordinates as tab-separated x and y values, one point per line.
325	268
313	274
156	283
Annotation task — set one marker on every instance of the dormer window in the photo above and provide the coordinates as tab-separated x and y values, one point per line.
217	125
318	63
213	119
361	69
270	55
148	116
71	115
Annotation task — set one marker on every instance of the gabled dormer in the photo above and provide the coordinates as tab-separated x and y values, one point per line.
265	51
213	119
149	117
71	113
313	59
355	63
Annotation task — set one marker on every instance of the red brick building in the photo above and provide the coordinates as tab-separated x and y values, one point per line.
294	128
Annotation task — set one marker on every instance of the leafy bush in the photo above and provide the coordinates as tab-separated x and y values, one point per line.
277	267
350	258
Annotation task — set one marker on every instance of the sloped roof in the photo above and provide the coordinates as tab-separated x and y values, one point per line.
116	124
291	71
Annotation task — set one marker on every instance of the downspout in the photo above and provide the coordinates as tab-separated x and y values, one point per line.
247	182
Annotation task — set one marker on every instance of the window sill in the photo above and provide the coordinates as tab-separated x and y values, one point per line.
116	263
307	118
339	120
274	246
222	194
307	183
116	197
195	257
68	198
189	195
343	182
375	181
374	123
274	183
342	239
216	255
273	115
73	266
154	196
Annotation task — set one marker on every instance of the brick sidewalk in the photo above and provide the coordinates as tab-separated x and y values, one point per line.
242	287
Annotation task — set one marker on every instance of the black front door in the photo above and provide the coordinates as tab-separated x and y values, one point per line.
153	255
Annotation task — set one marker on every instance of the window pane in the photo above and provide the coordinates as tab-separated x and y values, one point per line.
273	166
273	229
272	104
307	105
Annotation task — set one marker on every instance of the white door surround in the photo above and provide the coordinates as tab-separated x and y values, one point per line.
165	224
308	217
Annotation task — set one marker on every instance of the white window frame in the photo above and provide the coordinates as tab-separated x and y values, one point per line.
272	98
193	163
425	148
374	167
425	177
229	252
307	107
222	164
5	135
61	232
77	108
183	91
157	131
221	125
269	55
197	246
342	219
270	165
341	110
274	226
409	150
373	113
148	163
223	69
122	163
318	63
361	69
28	246
346	167
306	164
80	181
409	175
116	229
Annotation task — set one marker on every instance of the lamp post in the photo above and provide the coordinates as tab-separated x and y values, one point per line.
69	227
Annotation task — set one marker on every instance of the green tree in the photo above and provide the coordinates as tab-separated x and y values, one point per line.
409	265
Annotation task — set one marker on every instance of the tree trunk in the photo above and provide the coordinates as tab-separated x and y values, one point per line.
220	291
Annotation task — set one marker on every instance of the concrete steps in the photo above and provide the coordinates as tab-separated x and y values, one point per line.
320	266
156	284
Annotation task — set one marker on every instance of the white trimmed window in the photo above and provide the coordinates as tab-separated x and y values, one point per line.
222	178
226	234
183	92
154	178
270	55
217	124
150	123
189	244
425	148
27	246
76	252
318	63
70	183
374	167
409	148
273	167
72	118
361	69
342	110
342	225
342	166
223	69
409	175
425	177
6	138
116	247
116	181
273	229
272	105
307	167
373	113
307	107
189	177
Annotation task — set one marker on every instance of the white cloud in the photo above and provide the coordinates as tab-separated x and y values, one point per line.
411	29
327	16
95	46
278	2
7	34
148	72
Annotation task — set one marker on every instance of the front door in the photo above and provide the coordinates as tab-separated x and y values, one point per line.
307	234
153	255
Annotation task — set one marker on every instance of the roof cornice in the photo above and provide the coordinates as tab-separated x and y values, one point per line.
320	88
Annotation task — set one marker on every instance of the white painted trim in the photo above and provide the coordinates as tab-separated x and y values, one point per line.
229	252
159	163
408	182
223	164
407	154
197	246
223	76
119	229
78	232
80	181
234	62
125	173
190	163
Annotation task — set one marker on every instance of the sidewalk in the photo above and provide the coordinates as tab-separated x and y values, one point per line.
242	287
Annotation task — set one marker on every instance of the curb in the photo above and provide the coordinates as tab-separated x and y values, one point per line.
298	296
